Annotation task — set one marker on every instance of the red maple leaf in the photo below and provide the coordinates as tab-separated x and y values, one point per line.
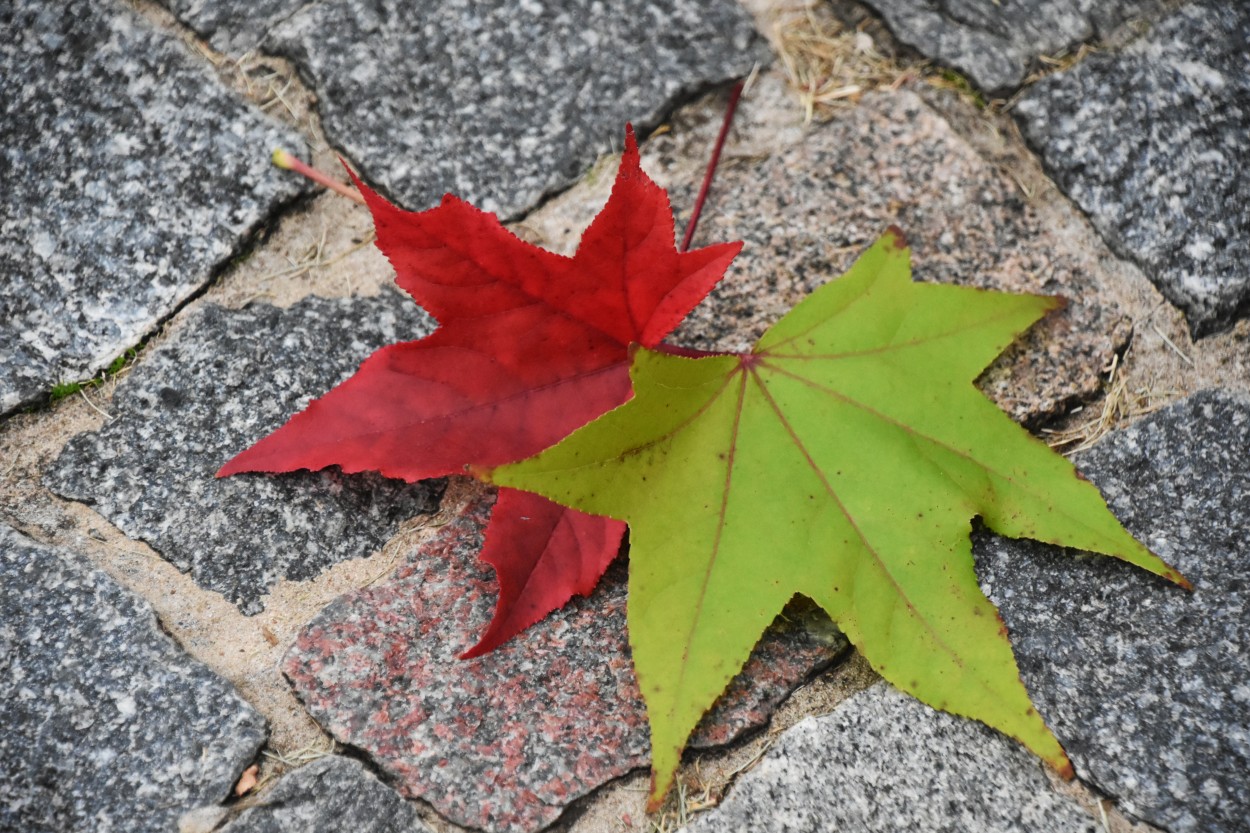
530	346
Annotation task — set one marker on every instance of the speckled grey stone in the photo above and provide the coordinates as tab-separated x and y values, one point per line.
108	726
883	761
498	101
130	174
1152	144
233	26
222	381
996	43
329	795
1146	685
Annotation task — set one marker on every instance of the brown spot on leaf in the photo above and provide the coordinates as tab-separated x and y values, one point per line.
1065	770
894	238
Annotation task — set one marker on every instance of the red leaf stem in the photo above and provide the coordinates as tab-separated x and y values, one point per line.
730	109
286	161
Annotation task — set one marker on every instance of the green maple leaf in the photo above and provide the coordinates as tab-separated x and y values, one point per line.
843	458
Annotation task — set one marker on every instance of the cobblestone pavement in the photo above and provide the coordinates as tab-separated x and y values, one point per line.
179	653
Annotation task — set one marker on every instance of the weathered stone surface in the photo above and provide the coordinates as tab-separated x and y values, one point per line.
507	741
809	201
329	795
997	44
108	725
223	380
129	175
1151	143
885	761
500	102
234	26
1146	685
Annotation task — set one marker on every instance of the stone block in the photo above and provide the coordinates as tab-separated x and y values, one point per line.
507	741
108	725
131	174
997	44
1151	143
330	795
497	102
1145	684
884	761
222	380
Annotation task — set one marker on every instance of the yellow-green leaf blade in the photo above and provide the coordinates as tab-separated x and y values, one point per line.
843	459
694	616
900	584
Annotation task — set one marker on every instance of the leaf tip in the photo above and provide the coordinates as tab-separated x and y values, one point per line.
1063	768
655	800
663	773
1054	303
234	465
478	650
894	239
630	159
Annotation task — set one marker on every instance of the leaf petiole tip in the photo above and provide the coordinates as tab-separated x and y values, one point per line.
288	162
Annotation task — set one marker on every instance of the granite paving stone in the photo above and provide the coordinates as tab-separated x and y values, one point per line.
498	102
996	44
231	26
807	203
512	101
108	725
1151	143
884	761
130	174
1146	685
329	795
505	742
223	380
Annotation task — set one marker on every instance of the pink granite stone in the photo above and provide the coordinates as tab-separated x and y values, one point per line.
507	741
807	203
806	200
